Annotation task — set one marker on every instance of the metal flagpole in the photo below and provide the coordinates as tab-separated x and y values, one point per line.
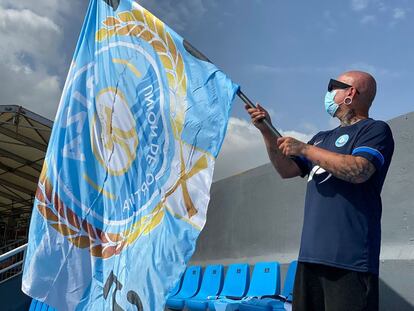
246	100
196	53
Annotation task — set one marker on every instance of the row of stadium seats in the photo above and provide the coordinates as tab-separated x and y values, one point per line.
212	291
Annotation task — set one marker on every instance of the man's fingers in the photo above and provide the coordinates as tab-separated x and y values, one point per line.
283	145
283	149
248	107
257	114
280	140
256	121
252	110
286	150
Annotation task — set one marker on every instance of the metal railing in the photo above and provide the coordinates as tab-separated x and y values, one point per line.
11	246
11	263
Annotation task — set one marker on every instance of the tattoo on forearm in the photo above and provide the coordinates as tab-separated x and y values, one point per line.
350	168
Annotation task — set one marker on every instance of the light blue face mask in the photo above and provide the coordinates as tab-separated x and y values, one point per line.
330	106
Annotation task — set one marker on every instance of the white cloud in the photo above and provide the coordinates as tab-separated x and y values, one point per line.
29	44
329	24
382	7
399	13
277	70
51	8
359	5
35	90
36	36
368	19
244	149
375	70
23	32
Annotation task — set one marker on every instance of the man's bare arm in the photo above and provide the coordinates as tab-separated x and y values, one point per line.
350	168
286	167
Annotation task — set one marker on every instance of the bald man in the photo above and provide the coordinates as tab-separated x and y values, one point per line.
345	168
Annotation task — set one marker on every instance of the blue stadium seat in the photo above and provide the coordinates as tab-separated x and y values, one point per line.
189	287
176	288
276	303
235	284
39	306
33	305
210	286
265	282
290	281
36	305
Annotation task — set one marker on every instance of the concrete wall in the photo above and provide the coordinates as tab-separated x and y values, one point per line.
258	216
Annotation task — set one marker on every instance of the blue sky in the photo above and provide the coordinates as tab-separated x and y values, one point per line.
282	53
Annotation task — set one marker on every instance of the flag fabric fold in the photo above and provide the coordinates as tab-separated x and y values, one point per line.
124	189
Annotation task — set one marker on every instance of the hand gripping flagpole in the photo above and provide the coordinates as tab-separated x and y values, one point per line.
196	53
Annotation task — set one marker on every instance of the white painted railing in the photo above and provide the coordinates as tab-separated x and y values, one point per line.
11	263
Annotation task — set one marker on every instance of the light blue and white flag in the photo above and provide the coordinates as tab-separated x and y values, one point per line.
125	186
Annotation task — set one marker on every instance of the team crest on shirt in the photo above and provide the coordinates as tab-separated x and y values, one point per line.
342	140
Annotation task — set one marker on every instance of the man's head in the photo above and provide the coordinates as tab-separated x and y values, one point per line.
357	93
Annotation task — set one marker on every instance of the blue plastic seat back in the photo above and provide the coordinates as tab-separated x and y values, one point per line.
212	281
176	288
191	282
290	281
37	305
33	305
236	280
265	279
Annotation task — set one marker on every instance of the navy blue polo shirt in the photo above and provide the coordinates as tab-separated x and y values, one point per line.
342	221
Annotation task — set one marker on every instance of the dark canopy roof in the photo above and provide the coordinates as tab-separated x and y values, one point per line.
24	137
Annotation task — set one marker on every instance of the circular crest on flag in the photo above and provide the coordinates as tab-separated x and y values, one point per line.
120	114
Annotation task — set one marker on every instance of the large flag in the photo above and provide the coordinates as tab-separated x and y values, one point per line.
125	186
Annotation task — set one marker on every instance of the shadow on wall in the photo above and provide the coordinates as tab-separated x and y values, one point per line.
391	300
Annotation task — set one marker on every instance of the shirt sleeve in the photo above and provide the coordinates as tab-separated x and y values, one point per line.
375	144
304	164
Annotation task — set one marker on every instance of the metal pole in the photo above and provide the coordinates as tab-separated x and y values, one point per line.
244	98
196	53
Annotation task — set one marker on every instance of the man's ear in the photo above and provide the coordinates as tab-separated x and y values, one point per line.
354	91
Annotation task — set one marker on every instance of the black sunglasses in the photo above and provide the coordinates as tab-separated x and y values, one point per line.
335	84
